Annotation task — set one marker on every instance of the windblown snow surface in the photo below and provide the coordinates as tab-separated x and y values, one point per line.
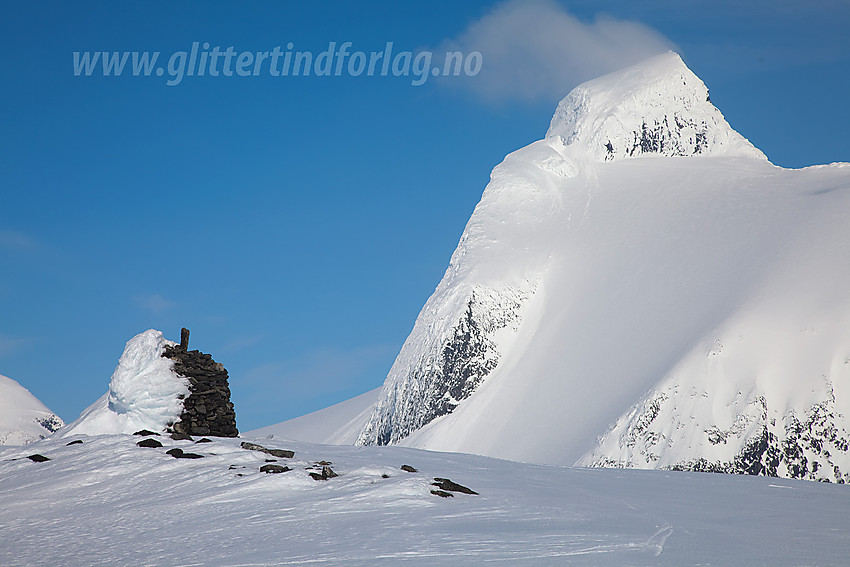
144	392
107	502
23	418
641	288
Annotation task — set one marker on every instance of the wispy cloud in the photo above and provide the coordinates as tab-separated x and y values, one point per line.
14	240
240	343
154	303
8	344
319	372
537	50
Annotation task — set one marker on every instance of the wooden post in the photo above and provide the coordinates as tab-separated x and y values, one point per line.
184	338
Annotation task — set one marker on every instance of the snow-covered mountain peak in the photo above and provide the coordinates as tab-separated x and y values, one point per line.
709	289
658	106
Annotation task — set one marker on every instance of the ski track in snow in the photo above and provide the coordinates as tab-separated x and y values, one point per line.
109	502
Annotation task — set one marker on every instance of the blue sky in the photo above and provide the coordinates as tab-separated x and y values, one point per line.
297	224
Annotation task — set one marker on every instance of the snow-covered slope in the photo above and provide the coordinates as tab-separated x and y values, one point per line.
106	501
676	290
23	418
339	424
144	392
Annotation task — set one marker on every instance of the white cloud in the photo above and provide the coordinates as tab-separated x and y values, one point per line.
535	50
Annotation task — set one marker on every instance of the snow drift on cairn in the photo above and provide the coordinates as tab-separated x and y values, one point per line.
144	392
641	288
23	418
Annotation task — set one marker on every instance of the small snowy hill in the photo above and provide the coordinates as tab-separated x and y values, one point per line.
105	501
641	288
23	418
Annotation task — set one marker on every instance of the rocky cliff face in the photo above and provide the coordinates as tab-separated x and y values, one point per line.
683	428
448	368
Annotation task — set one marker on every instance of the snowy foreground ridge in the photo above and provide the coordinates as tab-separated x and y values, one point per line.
105	501
641	288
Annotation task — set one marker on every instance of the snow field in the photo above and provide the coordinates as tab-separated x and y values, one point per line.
108	502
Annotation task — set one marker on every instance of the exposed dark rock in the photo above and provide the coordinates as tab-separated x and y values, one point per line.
181	436
665	138
408	468
50	423
207	410
385	476
178	453
152	443
271	460
323	463
204	440
74	442
326	473
274	469
465	362
146	433
442	494
281	453
38	458
764	454
447	484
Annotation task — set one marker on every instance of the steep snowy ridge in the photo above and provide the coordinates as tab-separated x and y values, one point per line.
471	321
444	363
643	251
23	418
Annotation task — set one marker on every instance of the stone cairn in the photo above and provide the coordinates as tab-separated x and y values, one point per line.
208	409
